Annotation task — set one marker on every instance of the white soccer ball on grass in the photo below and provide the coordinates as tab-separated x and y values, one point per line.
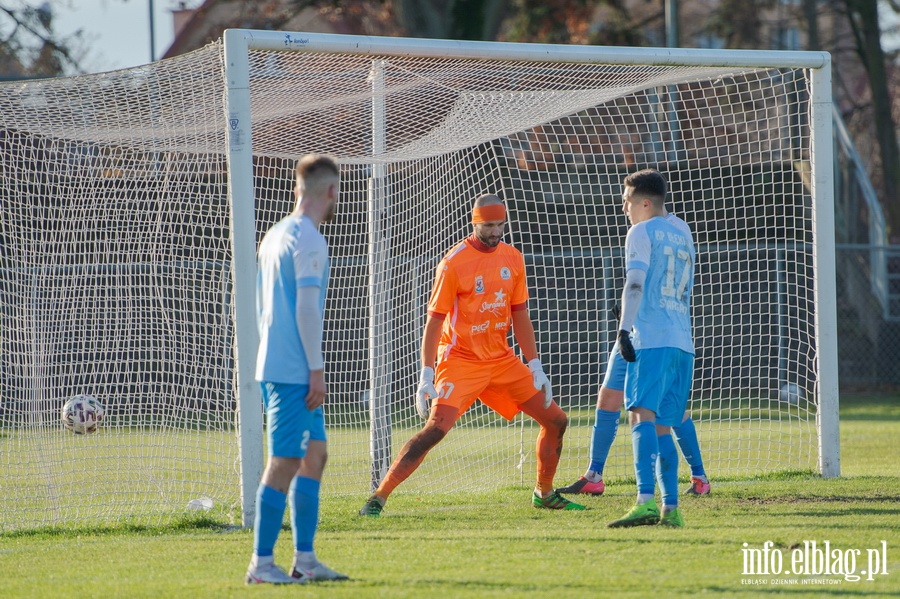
82	414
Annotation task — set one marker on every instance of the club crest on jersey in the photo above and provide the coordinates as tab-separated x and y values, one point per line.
479	284
505	274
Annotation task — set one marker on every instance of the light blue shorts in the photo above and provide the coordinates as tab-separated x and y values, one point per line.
289	425
660	381
616	367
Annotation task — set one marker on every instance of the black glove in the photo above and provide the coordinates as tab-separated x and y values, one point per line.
616	311
625	347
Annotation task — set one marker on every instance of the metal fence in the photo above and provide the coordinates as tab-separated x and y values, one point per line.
868	305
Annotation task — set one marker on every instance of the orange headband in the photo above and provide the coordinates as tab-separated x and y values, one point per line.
486	214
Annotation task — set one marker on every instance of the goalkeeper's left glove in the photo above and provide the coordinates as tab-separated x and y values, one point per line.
541	382
425	392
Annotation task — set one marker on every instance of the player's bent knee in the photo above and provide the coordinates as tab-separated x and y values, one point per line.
562	424
557	423
425	439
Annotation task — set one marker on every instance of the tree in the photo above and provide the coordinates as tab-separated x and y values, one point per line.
30	48
454	19
438	19
551	21
863	18
739	22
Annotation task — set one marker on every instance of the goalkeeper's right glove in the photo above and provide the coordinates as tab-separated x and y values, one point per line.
425	392
625	347
616	311
541	382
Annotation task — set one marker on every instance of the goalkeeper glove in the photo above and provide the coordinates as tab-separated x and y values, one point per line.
541	382
625	347
425	392
616	311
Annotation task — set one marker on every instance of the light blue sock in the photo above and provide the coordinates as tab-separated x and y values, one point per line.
304	494
686	435
605	427
646	448
667	470
270	505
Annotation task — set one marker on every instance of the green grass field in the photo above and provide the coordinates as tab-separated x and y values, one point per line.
495	545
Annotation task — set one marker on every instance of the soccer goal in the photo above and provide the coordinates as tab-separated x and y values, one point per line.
133	202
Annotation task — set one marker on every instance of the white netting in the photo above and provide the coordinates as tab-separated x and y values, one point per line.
115	273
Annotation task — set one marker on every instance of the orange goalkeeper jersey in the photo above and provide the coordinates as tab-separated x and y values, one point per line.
478	291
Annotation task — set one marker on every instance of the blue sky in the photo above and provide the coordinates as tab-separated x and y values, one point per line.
117	31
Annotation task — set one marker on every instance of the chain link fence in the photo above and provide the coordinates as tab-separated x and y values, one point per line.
868	316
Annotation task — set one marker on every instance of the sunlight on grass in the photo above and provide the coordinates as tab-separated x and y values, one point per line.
494	544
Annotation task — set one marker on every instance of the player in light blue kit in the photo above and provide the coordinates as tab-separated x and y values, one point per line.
290	297
610	400
659	276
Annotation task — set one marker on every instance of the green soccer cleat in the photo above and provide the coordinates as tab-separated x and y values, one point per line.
555	502
372	508
672	519
643	514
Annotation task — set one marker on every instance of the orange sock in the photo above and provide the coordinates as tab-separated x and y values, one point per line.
398	472
549	448
415	450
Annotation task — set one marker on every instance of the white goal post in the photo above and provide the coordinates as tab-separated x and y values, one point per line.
133	202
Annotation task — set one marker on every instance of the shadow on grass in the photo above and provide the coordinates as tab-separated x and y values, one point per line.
186	523
870	407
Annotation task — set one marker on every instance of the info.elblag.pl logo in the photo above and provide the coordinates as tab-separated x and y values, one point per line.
812	559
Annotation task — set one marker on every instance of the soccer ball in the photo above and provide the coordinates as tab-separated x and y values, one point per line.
82	414
790	393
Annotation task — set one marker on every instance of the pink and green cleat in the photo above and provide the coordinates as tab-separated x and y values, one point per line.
585	487
698	487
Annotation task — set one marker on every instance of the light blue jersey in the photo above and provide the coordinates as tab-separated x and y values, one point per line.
293	254
663	247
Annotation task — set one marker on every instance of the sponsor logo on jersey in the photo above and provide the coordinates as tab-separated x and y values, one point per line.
477	329
505	274
495	306
501	326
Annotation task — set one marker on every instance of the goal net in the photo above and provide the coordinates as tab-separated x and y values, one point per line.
127	267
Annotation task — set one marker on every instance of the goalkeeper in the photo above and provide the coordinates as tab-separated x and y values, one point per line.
479	289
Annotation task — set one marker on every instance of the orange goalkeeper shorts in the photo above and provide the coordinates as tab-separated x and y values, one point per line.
501	384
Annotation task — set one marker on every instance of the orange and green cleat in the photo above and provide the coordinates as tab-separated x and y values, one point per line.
555	501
